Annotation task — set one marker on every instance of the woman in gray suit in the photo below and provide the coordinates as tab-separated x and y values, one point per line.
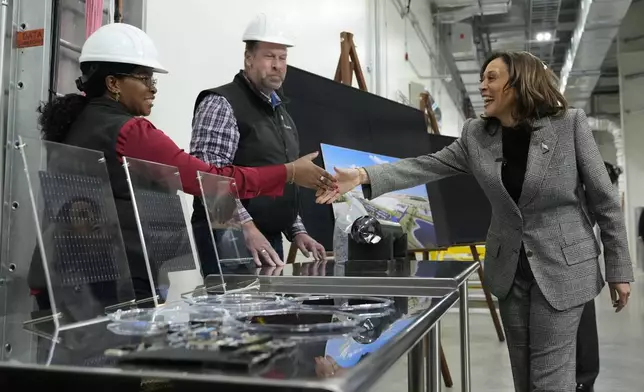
532	156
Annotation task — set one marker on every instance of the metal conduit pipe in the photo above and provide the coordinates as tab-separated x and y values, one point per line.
4	5
4	11
55	49
377	20
69	45
457	90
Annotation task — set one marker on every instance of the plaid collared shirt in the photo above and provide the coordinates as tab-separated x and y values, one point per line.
215	138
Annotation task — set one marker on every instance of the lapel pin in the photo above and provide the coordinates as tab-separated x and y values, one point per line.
544	148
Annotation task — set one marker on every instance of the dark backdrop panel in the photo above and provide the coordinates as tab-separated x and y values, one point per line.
460	209
317	124
332	113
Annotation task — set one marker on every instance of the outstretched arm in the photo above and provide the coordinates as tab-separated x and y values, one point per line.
410	172
406	173
139	139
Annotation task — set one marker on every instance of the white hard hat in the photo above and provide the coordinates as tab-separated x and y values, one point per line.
265	29
121	43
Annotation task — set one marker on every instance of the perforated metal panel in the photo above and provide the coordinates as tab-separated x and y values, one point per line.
76	214
165	231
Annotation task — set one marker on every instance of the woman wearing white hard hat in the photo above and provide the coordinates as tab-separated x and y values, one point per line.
117	63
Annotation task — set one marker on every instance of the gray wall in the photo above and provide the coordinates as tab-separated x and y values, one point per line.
606	146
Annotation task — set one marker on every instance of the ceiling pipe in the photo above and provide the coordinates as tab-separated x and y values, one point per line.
461	12
473	12
457	89
591	40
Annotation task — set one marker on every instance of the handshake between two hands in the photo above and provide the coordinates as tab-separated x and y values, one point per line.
329	188
345	180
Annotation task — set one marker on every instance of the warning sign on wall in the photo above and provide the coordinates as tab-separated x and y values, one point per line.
30	38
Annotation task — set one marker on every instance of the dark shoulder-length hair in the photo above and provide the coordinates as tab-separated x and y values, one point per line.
536	86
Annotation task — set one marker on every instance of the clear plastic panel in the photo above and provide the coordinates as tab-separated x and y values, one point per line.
297	323
220	199
164	228
359	305
17	305
239	301
68	250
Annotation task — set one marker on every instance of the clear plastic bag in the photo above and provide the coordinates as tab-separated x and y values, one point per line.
346	213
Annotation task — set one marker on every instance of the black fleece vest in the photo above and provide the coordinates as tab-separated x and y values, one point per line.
97	128
267	137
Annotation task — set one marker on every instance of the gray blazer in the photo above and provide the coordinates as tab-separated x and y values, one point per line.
552	217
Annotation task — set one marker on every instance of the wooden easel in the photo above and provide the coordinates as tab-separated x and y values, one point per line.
118	12
349	63
428	111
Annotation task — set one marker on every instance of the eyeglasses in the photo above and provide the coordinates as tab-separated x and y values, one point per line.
149	81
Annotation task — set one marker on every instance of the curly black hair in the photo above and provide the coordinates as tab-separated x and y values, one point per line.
58	115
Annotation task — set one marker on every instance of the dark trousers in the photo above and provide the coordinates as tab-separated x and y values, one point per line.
206	249
276	242
587	346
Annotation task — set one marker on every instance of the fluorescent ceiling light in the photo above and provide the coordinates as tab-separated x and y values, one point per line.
545	36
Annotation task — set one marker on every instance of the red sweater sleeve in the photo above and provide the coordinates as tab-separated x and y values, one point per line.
139	139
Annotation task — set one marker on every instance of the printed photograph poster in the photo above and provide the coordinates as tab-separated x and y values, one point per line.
408	207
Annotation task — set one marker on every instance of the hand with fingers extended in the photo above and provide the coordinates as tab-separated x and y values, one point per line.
262	251
619	294
307	174
347	179
310	247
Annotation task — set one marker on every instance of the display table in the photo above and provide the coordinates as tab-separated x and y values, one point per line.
381	278
77	360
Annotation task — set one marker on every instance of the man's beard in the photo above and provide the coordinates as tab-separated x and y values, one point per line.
273	82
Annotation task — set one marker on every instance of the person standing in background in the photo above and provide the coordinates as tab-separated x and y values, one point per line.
246	123
587	336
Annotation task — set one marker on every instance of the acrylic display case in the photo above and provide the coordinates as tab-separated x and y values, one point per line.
221	202
297	323
240	301
76	269
164	228
359	305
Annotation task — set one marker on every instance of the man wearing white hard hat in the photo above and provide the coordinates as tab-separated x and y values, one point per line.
117	63
246	123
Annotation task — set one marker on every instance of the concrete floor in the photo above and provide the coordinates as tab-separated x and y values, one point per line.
621	339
